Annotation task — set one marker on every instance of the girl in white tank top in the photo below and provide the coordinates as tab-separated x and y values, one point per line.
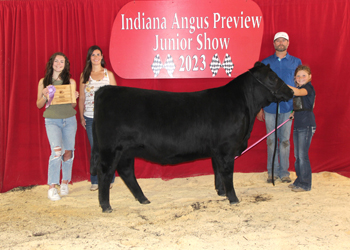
90	88
90	82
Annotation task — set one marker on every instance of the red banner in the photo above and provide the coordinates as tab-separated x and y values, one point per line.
186	39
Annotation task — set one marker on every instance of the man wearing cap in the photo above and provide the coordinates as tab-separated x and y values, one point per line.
284	65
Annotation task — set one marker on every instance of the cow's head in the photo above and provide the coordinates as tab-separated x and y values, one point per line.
269	79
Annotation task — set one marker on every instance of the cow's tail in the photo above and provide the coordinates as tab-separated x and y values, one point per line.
94	152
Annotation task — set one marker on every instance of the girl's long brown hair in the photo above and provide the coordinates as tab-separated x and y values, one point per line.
64	75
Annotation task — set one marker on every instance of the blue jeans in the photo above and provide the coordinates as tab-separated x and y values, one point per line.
61	134
281	164
302	141
88	127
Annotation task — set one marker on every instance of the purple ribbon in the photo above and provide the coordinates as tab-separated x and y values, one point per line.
52	91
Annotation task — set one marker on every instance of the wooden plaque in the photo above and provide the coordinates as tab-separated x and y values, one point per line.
64	94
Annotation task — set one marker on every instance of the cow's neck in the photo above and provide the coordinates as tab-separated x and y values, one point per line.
256	96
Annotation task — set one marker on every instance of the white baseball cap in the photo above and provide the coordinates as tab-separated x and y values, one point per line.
281	34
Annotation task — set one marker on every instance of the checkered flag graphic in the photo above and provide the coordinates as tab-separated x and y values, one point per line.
157	65
215	65
169	65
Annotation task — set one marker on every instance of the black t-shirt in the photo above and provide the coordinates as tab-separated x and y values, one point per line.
303	119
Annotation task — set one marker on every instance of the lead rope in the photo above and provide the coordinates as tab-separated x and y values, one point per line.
256	143
274	151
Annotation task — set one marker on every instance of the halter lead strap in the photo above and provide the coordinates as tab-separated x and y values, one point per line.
272	91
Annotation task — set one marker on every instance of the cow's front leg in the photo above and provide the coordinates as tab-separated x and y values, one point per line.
106	171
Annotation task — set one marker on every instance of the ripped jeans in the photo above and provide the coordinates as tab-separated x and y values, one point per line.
61	134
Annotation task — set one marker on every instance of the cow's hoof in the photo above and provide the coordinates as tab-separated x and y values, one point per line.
234	202
107	210
221	193
145	202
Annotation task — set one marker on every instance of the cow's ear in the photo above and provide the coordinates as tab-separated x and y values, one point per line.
257	64
268	65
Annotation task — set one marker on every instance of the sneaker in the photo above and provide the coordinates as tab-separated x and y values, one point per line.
286	179
298	189
291	185
53	195
64	189
93	187
269	178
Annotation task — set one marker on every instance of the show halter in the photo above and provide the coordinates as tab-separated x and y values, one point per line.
274	92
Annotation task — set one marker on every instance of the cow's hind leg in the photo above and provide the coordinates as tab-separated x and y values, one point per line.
219	185
106	170
126	171
225	168
227	177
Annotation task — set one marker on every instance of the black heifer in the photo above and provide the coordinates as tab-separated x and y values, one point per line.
170	128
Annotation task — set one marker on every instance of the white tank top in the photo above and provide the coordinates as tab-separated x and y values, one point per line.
90	88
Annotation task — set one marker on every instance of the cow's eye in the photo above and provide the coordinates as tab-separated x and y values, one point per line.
273	78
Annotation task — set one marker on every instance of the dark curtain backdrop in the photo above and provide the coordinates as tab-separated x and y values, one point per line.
31	31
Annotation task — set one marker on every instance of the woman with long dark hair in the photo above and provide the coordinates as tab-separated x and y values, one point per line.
60	123
94	76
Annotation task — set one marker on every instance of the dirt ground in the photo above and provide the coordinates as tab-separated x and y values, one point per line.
184	214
